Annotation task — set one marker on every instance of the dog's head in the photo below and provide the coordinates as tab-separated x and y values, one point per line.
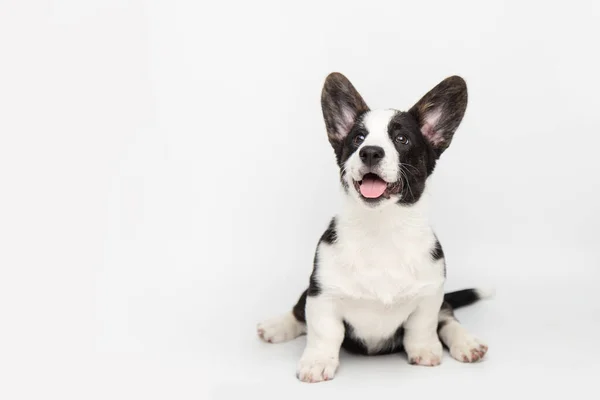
386	155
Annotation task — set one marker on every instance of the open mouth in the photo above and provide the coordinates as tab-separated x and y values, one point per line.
372	187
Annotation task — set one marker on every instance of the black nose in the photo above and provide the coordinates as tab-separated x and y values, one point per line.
371	155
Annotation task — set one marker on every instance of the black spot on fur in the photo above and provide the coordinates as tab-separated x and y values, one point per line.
314	289
355	345
329	237
437	252
446	316
351	343
299	308
443	323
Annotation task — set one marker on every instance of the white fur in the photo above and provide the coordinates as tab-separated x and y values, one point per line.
280	329
320	358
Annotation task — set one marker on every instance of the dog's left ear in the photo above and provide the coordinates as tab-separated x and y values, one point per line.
341	105
440	112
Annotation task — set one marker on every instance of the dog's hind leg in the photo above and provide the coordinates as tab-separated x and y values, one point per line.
462	345
285	327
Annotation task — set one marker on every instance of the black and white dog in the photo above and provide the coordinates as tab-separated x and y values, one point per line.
379	270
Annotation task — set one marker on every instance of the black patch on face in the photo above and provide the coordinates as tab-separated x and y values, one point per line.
416	157
329	237
349	145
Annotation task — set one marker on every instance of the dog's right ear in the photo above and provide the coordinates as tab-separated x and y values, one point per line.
341	104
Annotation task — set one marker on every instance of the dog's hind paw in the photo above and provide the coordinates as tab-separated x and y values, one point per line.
280	329
469	349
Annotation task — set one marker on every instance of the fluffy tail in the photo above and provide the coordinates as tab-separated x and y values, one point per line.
466	297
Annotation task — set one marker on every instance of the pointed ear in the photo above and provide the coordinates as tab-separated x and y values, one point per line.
440	112
341	105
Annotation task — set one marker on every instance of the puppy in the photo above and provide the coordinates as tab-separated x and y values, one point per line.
379	270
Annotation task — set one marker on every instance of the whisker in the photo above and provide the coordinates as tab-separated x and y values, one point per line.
405	172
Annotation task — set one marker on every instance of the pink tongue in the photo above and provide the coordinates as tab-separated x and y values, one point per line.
372	188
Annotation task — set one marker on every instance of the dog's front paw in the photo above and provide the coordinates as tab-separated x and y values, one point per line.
468	349
429	355
317	368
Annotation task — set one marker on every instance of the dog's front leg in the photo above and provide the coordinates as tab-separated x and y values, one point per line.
324	336
421	341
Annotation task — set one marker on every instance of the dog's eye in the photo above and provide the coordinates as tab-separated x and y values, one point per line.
358	139
401	139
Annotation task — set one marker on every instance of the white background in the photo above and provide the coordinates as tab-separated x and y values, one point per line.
165	176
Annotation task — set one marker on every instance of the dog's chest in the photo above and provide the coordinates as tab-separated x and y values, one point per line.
386	264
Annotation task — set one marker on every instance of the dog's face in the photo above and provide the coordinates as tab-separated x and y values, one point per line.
385	156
